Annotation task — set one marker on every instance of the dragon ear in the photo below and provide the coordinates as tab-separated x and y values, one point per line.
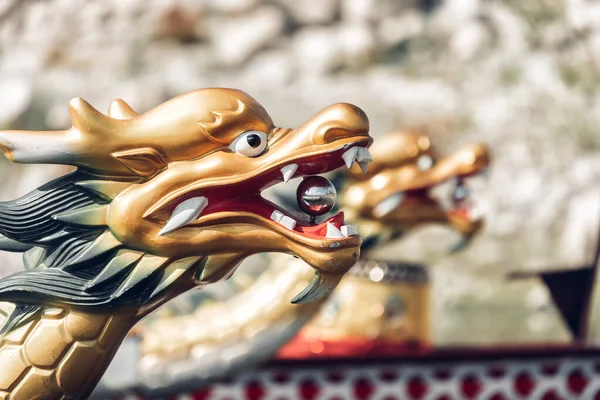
120	110
144	162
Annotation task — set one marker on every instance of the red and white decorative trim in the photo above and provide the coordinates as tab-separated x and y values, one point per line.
549	378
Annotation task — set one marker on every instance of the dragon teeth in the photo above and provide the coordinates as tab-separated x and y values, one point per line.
284	220
363	158
425	162
349	230
333	232
359	154
364	155
184	213
349	156
476	212
288	222
288	171
388	204
276	216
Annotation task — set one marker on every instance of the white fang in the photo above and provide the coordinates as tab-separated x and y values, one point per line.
288	222
349	230
333	232
288	171
284	220
350	156
184	213
388	205
276	215
425	162
363	158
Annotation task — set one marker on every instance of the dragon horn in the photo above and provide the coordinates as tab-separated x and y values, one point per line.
56	147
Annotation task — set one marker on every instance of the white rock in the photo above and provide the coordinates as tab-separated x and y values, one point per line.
593	44
237	39
358	44
231	6
312	11
468	40
537	297
317	50
582	14
15	97
393	30
455	13
578	235
512	30
373	10
270	68
418	99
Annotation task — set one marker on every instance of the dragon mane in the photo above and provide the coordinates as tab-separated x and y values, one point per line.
70	256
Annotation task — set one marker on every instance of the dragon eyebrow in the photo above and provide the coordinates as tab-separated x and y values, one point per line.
277	133
218	118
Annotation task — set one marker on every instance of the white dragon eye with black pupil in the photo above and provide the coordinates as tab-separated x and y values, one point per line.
250	144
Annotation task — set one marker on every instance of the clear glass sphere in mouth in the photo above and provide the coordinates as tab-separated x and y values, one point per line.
316	195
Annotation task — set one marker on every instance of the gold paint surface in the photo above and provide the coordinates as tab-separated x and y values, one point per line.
52	362
356	319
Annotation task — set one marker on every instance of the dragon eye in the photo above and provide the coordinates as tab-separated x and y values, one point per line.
250	144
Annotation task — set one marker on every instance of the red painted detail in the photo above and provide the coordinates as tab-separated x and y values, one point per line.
416	388
550	369
524	384
551	395
335	376
470	386
442	374
281	377
363	389
254	391
309	390
577	382
202	394
497	371
388	375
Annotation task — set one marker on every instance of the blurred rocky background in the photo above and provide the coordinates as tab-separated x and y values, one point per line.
520	75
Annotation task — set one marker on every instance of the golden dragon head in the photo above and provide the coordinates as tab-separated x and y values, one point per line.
170	199
394	195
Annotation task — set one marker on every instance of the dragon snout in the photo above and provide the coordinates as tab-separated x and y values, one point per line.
338	121
473	158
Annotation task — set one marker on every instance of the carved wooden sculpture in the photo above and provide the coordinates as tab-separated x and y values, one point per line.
160	203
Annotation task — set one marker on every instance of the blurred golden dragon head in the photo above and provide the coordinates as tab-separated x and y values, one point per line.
395	194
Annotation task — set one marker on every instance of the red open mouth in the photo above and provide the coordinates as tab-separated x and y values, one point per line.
459	202
192	208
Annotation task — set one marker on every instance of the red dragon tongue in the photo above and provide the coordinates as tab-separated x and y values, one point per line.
321	229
